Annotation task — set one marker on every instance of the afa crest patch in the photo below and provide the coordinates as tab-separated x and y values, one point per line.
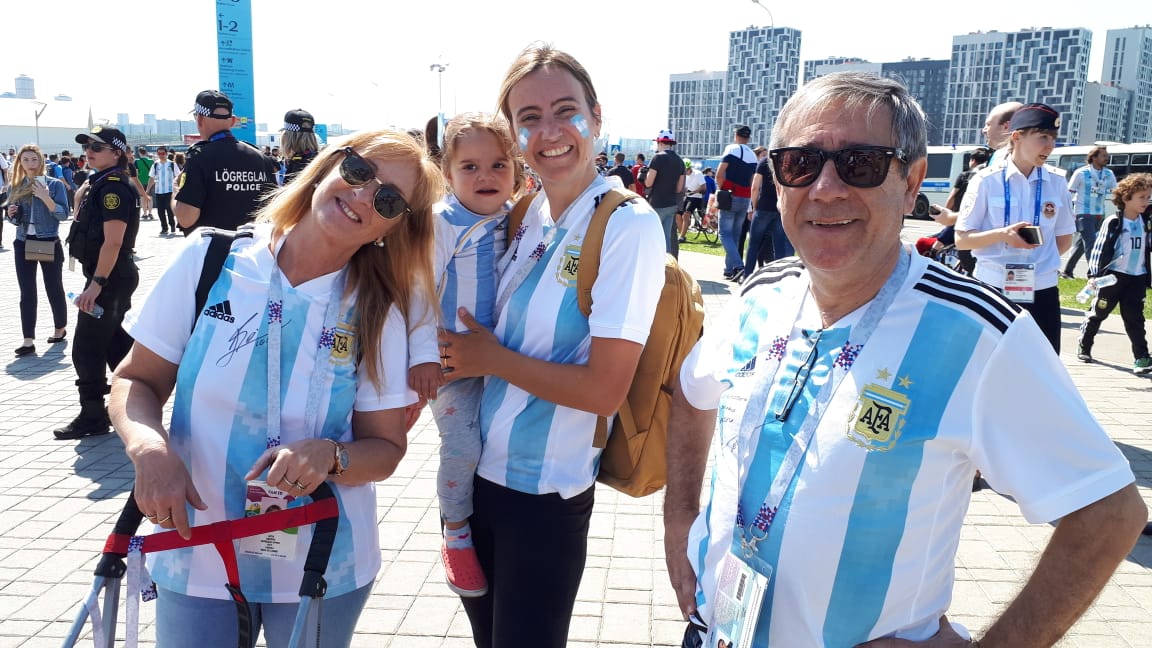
111	201
566	273
878	418
343	344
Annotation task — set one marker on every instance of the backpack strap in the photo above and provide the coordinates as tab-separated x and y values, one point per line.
214	258
590	249
516	216
589	270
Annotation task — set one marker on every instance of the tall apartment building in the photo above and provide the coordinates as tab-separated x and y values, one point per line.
25	87
811	67
695	113
1128	65
1107	114
926	80
987	68
763	72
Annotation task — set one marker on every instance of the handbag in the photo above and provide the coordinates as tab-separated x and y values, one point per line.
39	250
724	200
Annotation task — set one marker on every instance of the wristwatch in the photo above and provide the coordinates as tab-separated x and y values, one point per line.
100	281
339	458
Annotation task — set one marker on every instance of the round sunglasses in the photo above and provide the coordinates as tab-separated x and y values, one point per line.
357	171
863	167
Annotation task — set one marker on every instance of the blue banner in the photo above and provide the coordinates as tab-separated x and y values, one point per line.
321	131
234	53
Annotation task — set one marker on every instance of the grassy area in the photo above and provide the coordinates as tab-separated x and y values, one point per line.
696	243
1069	288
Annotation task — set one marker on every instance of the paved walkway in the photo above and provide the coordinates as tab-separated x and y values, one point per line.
58	501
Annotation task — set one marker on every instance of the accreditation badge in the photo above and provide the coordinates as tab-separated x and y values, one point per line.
275	545
736	603
1020	282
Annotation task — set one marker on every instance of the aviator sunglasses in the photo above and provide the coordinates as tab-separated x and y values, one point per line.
863	167
357	171
95	147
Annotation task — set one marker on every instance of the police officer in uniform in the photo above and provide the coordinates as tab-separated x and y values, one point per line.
224	177
102	239
298	142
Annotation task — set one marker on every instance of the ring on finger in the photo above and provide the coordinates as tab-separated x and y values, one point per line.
164	519
299	485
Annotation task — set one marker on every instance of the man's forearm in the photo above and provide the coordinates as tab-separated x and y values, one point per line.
1080	558
689	435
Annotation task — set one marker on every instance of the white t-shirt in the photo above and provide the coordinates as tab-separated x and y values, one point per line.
863	545
984	208
219	418
532	445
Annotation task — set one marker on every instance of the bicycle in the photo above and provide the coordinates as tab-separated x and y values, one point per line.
702	225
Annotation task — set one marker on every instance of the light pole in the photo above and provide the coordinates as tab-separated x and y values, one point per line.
771	20
43	107
439	67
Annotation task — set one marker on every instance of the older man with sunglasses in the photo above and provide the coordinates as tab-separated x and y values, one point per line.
853	393
224	177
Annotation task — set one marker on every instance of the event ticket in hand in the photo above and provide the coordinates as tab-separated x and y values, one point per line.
278	545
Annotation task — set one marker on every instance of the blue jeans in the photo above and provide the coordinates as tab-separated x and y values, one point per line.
53	287
766	224
1087	226
192	622
731	222
668	222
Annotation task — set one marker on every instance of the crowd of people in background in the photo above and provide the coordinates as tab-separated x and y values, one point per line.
437	265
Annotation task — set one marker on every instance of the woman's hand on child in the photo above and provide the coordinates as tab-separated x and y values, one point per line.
468	355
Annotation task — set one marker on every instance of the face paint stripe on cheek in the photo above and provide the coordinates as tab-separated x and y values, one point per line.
523	138
581	124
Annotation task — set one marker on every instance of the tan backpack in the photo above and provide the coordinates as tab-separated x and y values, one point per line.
633	461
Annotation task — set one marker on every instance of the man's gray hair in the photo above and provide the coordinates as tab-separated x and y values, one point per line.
854	91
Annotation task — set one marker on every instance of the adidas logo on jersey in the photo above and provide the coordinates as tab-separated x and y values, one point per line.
221	311
748	369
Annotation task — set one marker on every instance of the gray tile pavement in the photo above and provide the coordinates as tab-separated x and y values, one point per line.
58	501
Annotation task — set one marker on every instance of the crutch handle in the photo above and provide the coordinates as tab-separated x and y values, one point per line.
111	564
323	537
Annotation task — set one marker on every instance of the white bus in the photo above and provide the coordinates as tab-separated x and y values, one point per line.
1123	159
945	163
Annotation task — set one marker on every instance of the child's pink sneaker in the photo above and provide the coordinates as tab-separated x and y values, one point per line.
465	577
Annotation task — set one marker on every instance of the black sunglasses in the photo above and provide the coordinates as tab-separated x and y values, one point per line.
357	171
95	147
863	167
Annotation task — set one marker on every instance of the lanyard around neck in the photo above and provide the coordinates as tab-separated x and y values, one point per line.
757	411
275	335
1008	194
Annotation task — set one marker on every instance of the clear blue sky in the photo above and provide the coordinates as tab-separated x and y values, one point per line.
366	64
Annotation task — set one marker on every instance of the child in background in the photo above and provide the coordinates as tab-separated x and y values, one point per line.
482	165
1122	250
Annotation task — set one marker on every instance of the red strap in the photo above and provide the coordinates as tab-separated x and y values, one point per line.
221	534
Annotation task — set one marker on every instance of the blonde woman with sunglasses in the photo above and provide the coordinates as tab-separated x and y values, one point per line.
328	277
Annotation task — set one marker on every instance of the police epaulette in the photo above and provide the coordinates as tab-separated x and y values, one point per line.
112	178
774	272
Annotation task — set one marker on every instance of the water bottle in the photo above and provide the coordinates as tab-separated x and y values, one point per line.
97	309
1093	286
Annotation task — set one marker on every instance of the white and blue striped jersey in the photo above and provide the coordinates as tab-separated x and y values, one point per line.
863	544
220	413
163	176
532	445
468	246
983	209
1091	189
1130	246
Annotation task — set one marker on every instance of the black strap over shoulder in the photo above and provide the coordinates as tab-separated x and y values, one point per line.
218	249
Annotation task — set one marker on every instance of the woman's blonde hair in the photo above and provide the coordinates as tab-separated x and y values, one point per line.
538	56
293	143
399	270
468	123
21	181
